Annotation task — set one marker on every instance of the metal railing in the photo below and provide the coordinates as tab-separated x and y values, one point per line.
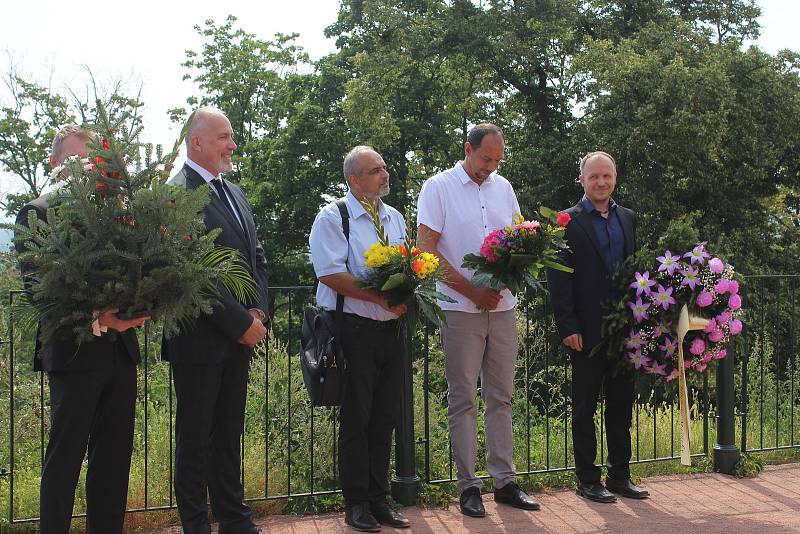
289	449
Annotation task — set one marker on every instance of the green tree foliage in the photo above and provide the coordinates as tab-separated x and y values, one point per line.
286	118
31	114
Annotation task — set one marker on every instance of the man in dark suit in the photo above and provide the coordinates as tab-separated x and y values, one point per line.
210	359
92	397
601	234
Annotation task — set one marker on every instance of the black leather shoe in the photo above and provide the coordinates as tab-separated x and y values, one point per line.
512	494
470	502
360	518
252	529
386	515
595	492
627	488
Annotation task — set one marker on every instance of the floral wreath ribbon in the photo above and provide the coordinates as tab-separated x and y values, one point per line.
686	322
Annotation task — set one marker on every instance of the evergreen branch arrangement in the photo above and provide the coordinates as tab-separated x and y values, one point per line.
118	236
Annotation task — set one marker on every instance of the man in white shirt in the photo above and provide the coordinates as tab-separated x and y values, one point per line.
457	209
371	340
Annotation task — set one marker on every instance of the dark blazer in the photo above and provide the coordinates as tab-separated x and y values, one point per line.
211	338
578	297
62	353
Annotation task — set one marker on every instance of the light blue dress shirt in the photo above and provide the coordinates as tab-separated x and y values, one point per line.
331	254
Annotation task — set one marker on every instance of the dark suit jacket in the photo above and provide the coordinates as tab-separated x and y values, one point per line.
578	297
62	353
212	338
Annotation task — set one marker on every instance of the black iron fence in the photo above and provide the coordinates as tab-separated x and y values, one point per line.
289	450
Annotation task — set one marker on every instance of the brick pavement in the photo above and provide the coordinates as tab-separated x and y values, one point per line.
679	504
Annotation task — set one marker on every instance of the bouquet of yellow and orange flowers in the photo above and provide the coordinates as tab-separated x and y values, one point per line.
404	273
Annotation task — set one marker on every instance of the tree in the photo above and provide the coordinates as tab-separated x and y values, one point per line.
34	113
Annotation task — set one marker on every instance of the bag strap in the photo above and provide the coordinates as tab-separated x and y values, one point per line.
342	205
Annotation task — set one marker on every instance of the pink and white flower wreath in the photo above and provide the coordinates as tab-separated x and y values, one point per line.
707	285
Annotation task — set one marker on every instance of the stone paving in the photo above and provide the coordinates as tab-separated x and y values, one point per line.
679	504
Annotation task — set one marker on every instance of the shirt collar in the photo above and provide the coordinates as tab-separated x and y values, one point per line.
588	207
207	176
464	177
357	210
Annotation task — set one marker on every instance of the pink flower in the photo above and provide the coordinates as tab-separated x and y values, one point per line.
704	299
711	326
700	366
527	225
494	239
707	357
563	219
722	286
716	336
698	346
735	302
720	354
735	327
733	287
715	265
723	318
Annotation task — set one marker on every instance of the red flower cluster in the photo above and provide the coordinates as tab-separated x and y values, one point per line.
563	219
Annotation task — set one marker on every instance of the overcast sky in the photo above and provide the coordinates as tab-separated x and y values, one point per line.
145	42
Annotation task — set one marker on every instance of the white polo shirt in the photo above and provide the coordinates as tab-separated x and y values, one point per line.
329	250
464	213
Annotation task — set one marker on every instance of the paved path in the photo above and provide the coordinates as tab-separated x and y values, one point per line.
679	504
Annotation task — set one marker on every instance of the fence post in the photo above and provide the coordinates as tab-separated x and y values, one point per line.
405	482
726	453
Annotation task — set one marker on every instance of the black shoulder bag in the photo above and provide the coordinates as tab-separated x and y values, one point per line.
321	357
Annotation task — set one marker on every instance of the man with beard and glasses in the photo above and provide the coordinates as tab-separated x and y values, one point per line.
371	339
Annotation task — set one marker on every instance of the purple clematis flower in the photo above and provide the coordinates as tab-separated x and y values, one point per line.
638	359
697	255
668	262
659	369
639	309
663	297
669	347
642	284
634	340
672	376
691	277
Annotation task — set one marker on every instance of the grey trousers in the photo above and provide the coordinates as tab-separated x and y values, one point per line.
481	344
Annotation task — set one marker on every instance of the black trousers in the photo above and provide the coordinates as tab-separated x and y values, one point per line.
89	409
589	375
370	408
208	425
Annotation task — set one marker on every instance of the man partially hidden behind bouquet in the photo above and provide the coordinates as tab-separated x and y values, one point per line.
601	235
458	208
371	339
92	396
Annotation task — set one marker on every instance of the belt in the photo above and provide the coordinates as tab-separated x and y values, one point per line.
372	323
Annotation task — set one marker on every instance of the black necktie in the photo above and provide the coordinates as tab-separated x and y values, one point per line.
220	187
